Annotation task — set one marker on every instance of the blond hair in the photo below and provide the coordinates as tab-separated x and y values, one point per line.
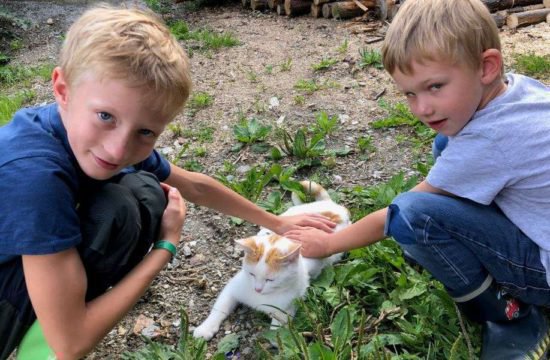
131	45
458	31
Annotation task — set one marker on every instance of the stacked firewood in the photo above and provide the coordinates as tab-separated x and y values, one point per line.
512	13
515	13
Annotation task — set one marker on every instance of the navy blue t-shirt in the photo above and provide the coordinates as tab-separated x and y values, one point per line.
40	182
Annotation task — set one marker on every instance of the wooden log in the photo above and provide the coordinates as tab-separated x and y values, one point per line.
297	7
495	5
272	4
546	3
321	2
258	4
327	10
316	10
281	9
526	18
548	18
349	9
518	9
500	18
246	3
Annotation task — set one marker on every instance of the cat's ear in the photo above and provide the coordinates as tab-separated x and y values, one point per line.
293	253
248	244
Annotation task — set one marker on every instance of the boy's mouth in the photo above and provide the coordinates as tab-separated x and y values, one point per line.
105	164
438	124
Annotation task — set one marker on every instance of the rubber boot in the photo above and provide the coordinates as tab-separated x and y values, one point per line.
511	330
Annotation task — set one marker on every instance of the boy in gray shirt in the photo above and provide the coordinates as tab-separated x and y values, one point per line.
479	222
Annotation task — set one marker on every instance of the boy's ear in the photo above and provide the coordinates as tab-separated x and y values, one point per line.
491	66
60	88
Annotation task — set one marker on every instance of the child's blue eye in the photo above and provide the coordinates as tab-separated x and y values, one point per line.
104	116
436	86
146	132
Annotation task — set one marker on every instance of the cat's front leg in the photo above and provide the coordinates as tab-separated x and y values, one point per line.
281	318
224	306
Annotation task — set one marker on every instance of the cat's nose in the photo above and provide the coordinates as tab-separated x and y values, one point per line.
258	290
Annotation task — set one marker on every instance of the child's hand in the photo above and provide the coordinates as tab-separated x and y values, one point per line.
315	243
297	222
174	215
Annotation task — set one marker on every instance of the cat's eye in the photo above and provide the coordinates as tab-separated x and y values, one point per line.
251	274
268	280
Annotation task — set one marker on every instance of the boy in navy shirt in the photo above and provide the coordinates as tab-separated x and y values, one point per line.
79	180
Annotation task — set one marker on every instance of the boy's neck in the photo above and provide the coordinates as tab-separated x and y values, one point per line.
492	91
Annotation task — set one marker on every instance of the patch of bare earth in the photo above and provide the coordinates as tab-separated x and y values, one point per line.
244	80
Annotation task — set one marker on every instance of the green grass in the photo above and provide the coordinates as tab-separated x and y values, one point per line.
200	100
10	104
206	38
533	65
13	74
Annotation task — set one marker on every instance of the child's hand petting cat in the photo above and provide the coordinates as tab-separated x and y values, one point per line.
174	215
296	222
315	243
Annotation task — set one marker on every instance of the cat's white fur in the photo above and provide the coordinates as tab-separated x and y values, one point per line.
274	273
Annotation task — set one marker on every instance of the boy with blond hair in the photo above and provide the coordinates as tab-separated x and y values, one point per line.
82	204
479	221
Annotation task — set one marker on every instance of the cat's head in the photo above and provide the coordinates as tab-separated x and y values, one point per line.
271	262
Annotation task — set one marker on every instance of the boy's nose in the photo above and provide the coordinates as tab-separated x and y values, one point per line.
117	148
423	107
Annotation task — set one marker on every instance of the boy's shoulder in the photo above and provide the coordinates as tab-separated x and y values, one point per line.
35	131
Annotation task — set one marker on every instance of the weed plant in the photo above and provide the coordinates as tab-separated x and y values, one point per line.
370	57
325	64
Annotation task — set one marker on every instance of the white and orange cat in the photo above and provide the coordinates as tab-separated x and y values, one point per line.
274	274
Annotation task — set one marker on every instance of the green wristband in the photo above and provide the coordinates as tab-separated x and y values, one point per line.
166	245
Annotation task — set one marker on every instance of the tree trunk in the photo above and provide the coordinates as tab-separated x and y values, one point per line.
526	18
495	5
349	9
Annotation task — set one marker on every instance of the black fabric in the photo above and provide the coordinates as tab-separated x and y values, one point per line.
120	219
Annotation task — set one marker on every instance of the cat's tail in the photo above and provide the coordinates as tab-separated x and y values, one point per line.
313	189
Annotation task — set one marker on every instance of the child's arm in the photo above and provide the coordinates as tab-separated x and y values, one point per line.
204	190
57	288
366	231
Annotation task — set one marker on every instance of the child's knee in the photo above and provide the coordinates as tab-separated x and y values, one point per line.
406	216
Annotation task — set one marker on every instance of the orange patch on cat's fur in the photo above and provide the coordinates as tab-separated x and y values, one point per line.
254	251
275	257
335	218
274	238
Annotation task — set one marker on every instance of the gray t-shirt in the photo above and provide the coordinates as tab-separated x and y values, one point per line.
503	155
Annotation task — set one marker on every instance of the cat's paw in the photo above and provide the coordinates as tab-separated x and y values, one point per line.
205	331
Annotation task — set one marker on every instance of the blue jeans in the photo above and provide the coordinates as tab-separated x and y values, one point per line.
461	243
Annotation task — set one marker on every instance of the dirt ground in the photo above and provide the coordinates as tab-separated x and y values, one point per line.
245	80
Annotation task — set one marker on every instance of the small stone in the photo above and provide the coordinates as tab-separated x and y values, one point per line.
186	251
49	21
